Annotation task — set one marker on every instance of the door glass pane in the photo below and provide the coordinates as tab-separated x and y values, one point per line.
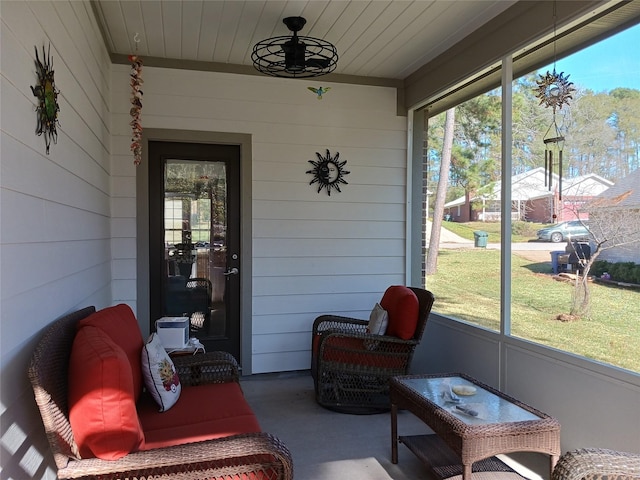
195	227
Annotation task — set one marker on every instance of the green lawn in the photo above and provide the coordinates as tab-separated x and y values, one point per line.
467	286
523	231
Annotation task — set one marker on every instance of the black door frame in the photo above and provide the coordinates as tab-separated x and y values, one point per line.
142	227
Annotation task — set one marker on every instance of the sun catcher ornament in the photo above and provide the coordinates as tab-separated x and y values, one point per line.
554	90
47	94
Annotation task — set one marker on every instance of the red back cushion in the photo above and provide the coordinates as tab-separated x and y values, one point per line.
120	324
102	409
402	306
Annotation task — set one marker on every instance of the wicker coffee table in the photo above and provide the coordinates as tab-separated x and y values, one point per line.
501	424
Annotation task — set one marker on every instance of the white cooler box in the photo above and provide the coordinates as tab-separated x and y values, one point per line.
173	331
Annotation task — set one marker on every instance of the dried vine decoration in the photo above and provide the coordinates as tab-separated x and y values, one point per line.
47	94
136	101
328	172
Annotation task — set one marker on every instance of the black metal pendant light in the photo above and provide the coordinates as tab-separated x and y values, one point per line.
294	56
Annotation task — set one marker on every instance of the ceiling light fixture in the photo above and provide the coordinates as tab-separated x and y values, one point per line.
294	56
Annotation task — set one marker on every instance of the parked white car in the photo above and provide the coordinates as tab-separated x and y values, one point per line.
566	231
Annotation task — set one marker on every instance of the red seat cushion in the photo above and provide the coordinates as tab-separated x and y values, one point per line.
202	412
354	351
120	324
102	410
402	306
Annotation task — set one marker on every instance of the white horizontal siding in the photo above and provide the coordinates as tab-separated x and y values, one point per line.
56	204
338	211
315	284
330	265
272	362
55	239
368	247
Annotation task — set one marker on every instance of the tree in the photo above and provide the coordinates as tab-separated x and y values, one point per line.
441	192
530	121
614	222
475	152
626	122
590	135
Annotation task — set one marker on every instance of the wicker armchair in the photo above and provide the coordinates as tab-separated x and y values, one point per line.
203	300
351	368
597	464
256	455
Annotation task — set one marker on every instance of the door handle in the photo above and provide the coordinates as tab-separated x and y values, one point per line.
233	271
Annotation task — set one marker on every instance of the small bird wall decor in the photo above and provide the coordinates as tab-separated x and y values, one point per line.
319	91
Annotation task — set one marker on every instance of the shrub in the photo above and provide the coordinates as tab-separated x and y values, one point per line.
599	267
628	272
525	229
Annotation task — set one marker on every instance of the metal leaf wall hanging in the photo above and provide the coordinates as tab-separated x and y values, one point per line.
47	93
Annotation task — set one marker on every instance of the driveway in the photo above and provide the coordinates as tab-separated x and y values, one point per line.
447	237
534	251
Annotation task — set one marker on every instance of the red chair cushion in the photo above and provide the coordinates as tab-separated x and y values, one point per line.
102	409
354	351
203	412
120	324
403	306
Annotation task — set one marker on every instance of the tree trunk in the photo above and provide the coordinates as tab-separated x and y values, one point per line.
581	298
441	193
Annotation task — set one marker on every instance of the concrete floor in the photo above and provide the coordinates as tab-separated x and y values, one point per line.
327	445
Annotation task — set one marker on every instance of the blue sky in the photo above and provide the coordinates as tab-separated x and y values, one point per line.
612	63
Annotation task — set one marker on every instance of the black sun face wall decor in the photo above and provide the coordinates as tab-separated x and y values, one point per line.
47	93
328	172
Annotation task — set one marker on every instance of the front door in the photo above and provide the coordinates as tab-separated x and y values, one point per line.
194	235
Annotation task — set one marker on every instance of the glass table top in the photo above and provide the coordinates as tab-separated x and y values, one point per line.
483	407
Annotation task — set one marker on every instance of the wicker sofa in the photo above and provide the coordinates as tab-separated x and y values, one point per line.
597	464
210	432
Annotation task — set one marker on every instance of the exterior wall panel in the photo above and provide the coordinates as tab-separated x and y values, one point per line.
312	253
55	231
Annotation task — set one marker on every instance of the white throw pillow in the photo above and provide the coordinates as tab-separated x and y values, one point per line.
378	320
159	373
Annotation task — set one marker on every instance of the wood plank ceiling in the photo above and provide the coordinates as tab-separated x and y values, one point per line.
381	39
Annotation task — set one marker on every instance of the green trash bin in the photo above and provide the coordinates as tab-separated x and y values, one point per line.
480	238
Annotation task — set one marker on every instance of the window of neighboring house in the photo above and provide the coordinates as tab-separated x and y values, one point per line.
598	131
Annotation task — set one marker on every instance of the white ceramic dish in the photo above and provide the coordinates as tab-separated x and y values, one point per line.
464	390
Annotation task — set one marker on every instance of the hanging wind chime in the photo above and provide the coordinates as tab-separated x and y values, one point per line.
136	102
554	90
